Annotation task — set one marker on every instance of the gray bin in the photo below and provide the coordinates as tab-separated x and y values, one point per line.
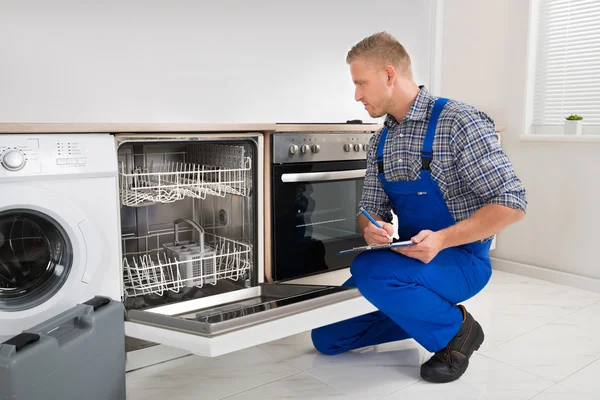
79	354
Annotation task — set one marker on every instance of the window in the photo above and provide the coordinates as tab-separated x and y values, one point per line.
566	64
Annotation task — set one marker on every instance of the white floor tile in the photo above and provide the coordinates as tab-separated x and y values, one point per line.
543	328
512	305
516	289
210	378
297	350
370	375
559	392
484	379
407	344
300	386
558	349
585	381
156	368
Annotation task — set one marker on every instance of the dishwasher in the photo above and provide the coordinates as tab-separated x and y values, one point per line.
192	243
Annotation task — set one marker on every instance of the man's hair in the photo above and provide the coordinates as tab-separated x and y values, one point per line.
382	48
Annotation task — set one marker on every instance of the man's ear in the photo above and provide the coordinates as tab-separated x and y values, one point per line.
391	74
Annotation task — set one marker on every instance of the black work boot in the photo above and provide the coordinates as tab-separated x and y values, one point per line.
452	361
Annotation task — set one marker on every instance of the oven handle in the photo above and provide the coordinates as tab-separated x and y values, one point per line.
323	176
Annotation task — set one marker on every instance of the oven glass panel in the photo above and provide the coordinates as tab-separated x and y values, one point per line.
314	220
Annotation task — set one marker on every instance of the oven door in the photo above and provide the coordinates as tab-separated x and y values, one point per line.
314	216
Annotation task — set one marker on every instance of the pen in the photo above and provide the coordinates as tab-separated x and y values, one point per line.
362	210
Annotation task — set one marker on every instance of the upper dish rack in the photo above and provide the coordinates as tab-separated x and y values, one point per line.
207	169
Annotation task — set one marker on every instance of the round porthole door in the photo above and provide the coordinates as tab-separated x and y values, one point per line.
36	257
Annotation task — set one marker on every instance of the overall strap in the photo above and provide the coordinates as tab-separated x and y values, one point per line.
380	150
427	151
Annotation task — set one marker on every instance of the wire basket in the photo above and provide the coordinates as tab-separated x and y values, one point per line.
160	269
197	261
208	169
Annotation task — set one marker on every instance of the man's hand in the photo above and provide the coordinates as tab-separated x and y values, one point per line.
428	245
373	234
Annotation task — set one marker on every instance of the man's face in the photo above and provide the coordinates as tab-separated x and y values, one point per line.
372	88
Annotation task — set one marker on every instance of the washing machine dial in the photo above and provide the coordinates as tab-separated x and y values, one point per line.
13	159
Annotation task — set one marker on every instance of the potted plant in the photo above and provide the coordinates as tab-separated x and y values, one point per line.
574	125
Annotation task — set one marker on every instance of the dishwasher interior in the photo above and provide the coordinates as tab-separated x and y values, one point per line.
188	220
192	247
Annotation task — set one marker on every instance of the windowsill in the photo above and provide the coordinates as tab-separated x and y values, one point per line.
560	138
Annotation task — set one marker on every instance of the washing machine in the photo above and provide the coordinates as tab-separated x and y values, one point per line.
59	229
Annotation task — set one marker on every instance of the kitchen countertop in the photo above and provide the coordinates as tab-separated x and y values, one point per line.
178	127
130	127
16	127
367	127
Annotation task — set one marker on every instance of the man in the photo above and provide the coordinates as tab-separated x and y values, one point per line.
438	165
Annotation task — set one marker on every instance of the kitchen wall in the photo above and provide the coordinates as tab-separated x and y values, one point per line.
484	63
193	60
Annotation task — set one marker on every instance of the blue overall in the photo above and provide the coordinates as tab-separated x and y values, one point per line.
414	299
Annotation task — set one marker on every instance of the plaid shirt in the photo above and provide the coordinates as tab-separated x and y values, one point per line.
468	164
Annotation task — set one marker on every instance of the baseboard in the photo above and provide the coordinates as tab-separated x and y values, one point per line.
545	274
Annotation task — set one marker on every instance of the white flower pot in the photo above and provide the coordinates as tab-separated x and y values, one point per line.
573	127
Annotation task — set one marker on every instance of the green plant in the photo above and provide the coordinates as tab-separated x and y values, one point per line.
574	117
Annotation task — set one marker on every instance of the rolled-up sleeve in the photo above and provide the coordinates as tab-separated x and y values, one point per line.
482	164
374	199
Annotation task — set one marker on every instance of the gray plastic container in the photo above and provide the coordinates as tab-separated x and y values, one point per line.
79	354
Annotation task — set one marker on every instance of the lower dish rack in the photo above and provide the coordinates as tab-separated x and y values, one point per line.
172	265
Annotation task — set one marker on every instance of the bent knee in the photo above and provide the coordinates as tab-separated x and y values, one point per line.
362	265
373	276
367	267
324	342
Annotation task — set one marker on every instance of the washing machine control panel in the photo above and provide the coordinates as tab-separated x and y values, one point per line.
56	154
13	159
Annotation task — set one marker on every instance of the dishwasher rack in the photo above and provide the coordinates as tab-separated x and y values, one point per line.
211	169
156	270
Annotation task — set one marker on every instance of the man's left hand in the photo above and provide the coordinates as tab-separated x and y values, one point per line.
428	245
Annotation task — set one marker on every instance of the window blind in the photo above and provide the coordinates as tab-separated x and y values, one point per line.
567	64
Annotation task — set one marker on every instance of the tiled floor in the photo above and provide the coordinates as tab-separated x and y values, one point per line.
541	343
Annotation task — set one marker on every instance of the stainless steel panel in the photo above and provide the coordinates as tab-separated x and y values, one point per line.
271	301
330	146
323	176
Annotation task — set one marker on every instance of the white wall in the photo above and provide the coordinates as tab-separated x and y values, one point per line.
484	63
193	60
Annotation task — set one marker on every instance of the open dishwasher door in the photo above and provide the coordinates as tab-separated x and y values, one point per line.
193	233
245	318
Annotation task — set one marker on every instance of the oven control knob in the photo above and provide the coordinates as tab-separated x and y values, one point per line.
13	160
347	147
365	147
293	149
315	148
304	149
357	147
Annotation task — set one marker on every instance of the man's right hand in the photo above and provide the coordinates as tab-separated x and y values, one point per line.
373	234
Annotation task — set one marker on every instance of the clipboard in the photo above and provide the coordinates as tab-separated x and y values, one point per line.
378	246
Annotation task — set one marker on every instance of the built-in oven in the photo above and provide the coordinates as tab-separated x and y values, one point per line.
317	182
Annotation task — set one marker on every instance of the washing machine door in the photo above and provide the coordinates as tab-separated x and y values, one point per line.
42	250
36	256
